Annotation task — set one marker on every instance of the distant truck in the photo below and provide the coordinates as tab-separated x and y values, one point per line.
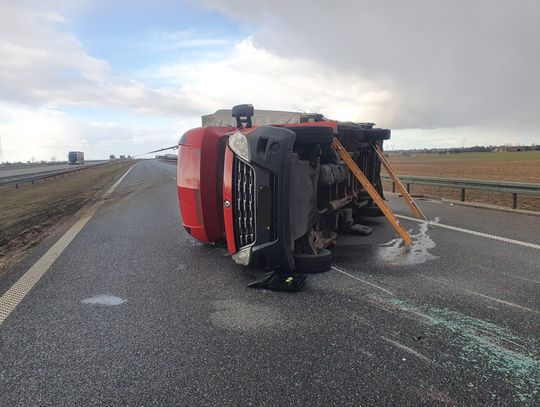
75	157
112	157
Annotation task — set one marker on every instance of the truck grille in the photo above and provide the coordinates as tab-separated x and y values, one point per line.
244	199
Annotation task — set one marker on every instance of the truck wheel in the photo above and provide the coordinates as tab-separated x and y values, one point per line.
313	134
313	263
365	134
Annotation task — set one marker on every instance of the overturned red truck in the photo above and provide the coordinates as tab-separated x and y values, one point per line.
270	185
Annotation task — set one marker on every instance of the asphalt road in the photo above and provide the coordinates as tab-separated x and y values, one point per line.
455	321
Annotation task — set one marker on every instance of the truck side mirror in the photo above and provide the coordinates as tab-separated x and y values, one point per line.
243	114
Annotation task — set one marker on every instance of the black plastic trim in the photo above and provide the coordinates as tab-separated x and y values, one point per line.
272	167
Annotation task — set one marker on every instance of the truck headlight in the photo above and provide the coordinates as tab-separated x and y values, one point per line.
242	257
239	144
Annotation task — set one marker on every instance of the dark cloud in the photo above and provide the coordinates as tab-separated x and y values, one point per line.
448	63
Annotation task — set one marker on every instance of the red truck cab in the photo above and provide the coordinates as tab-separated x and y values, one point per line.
271	187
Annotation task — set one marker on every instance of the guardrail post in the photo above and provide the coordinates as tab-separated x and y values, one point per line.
513	188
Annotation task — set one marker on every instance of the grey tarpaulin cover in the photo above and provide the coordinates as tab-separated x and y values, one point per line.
261	118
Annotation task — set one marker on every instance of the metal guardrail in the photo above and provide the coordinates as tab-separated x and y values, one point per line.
513	188
32	178
21	166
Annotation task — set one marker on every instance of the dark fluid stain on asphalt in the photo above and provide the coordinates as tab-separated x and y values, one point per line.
394	253
245	316
104	299
485	346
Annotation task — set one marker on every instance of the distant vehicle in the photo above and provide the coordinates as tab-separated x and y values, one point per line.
122	157
112	157
75	157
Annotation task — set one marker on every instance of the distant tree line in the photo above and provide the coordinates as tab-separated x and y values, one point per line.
473	149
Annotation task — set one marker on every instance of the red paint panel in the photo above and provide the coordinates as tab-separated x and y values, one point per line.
189	167
199	182
227	196
189	201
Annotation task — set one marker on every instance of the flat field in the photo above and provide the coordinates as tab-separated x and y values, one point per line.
523	166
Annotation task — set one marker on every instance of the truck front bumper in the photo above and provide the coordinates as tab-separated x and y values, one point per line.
256	199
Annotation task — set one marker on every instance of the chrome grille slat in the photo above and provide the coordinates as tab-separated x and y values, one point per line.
244	197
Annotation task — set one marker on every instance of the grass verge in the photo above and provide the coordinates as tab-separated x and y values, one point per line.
28	214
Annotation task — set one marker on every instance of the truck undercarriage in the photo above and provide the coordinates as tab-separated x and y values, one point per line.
278	194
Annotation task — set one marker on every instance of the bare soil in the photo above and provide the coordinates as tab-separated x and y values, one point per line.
514	167
30	213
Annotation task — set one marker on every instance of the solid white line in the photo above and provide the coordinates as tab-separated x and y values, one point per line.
165	172
23	285
113	187
475	233
407	349
364	281
510	304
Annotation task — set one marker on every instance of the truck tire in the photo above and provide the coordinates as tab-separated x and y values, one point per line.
365	134
313	263
313	134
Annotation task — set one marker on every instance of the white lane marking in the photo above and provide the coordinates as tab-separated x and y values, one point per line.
364	281
167	173
113	187
475	233
407	349
23	285
510	304
529	280
518	277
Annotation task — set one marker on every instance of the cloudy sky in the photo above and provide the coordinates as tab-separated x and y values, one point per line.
125	77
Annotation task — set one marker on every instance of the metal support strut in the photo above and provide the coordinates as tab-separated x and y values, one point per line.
417	212
346	157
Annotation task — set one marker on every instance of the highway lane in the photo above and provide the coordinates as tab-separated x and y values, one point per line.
452	322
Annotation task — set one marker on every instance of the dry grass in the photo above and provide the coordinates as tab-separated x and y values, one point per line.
29	213
512	166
